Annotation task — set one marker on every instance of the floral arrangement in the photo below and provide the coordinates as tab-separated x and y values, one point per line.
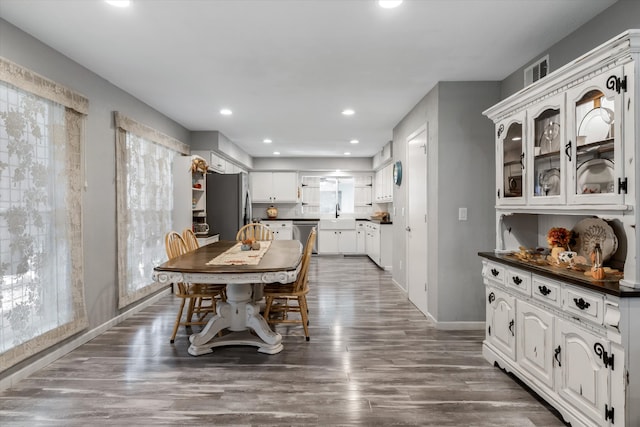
559	237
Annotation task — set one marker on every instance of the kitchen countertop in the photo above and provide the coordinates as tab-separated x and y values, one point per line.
318	219
611	287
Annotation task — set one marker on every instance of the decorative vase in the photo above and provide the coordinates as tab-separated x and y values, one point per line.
272	212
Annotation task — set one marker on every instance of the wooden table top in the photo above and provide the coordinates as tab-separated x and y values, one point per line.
282	255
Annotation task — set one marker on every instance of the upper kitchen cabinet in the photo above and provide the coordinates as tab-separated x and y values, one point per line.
566	142
274	187
546	141
594	132
510	153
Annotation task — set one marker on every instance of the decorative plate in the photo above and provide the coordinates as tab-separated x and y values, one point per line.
590	231
596	125
595	176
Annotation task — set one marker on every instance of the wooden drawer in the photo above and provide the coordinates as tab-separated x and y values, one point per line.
495	273
546	291
519	280
583	304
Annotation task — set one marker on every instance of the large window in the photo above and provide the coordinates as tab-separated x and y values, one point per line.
328	195
41	285
145	202
336	195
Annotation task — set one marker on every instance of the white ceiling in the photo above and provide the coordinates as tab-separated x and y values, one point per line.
287	68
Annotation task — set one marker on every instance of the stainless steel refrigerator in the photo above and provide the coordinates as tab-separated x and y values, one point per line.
228	203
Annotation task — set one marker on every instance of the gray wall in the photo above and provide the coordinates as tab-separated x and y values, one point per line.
461	171
99	214
622	16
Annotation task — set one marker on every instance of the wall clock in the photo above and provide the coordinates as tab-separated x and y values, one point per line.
397	173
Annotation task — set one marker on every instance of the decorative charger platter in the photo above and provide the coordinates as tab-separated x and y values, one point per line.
590	231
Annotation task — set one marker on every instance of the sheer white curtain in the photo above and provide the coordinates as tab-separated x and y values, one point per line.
41	287
145	202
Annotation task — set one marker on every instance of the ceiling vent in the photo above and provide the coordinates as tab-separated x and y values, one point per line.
536	71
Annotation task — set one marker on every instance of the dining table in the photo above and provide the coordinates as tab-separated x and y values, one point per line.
244	273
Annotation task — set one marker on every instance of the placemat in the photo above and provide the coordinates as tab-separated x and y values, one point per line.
236	256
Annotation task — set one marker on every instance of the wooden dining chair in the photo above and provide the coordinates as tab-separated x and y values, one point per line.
190	293
255	231
281	300
190	239
192	243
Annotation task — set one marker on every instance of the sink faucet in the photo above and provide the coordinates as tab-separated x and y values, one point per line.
337	210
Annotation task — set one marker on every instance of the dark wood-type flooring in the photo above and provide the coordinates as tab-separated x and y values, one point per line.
373	360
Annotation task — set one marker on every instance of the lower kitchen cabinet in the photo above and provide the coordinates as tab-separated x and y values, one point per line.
378	242
534	343
583	376
337	241
570	344
501	317
282	230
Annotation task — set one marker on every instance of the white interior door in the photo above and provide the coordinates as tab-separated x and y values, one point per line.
416	219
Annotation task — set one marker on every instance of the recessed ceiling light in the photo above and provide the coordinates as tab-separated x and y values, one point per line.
226	112
348	112
277	153
347	153
267	141
516	138
389	4
354	141
119	3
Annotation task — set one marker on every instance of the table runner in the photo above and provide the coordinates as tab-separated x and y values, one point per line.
236	256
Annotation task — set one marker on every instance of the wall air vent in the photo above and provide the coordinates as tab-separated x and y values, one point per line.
536	71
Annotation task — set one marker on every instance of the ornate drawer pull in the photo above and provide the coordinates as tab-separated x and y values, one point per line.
495	272
492	297
556	355
544	290
581	303
511	327
517	280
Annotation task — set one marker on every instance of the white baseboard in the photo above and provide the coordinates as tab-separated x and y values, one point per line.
85	337
404	291
459	326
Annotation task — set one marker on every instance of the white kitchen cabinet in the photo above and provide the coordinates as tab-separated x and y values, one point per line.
510	154
384	185
378	241
217	163
569	144
576	132
534	342
566	342
274	187
337	241
337	236
583	377
501	318
361	234
282	230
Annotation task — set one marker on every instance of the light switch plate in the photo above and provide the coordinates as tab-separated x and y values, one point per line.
462	214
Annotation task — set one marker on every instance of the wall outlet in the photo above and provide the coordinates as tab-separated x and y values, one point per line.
462	214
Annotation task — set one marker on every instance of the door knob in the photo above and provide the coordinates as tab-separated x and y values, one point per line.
408	228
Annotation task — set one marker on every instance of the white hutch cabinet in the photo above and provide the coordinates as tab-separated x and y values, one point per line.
566	150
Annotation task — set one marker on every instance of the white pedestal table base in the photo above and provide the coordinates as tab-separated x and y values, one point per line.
239	315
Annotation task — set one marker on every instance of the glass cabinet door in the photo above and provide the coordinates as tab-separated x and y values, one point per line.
511	160
546	138
595	111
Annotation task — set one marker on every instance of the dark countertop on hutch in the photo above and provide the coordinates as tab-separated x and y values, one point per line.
611	287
